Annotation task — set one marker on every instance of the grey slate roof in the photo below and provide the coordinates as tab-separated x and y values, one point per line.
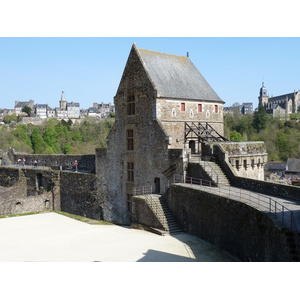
176	76
275	166
293	164
22	104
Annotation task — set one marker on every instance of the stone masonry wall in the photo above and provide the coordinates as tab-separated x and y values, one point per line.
242	231
55	161
79	195
259	186
173	118
24	191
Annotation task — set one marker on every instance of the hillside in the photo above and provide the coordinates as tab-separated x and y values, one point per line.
56	137
281	137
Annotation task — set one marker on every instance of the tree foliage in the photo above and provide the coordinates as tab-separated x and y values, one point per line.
281	137
56	137
27	110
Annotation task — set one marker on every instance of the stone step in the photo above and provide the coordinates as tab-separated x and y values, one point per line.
163	213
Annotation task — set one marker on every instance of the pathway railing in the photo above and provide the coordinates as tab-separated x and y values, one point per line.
283	216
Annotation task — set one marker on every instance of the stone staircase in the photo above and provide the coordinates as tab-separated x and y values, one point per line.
213	171
163	213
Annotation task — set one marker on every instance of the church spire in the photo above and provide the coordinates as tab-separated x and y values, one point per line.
62	96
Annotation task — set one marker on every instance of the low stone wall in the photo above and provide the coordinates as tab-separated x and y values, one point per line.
242	231
56	161
142	213
259	186
79	195
28	195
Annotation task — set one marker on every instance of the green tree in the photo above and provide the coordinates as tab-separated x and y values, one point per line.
38	143
50	137
235	136
26	109
21	132
260	119
10	118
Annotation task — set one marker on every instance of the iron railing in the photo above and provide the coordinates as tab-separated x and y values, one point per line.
283	216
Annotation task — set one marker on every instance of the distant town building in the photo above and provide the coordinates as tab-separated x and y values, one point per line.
66	110
245	108
40	110
279	106
20	105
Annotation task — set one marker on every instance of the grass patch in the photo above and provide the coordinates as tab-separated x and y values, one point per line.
25	214
83	219
78	218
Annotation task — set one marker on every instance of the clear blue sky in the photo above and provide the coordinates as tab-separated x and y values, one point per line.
89	69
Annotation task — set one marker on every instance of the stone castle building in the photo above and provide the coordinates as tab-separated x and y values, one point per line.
279	106
160	103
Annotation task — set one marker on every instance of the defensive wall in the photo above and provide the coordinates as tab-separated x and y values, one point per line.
55	161
79	195
232	226
259	186
29	189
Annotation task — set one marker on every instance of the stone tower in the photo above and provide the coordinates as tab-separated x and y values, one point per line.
63	102
263	96
158	93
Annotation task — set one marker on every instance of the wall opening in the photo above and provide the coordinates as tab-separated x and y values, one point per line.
157	185
192	146
47	204
39	180
18	207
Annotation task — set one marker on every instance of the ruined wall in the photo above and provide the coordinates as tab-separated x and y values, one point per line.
24	191
230	225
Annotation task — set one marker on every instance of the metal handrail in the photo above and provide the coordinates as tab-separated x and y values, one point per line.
212	170
258	201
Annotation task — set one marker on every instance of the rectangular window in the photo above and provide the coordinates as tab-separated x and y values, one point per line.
131	105
216	109
199	107
182	106
130	172
130	102
129	139
129	203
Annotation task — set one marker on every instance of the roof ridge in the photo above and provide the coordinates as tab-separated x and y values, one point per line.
162	52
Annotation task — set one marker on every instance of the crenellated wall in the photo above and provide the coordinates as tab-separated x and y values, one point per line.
246	159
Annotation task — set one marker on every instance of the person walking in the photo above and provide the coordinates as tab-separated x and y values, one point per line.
76	165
